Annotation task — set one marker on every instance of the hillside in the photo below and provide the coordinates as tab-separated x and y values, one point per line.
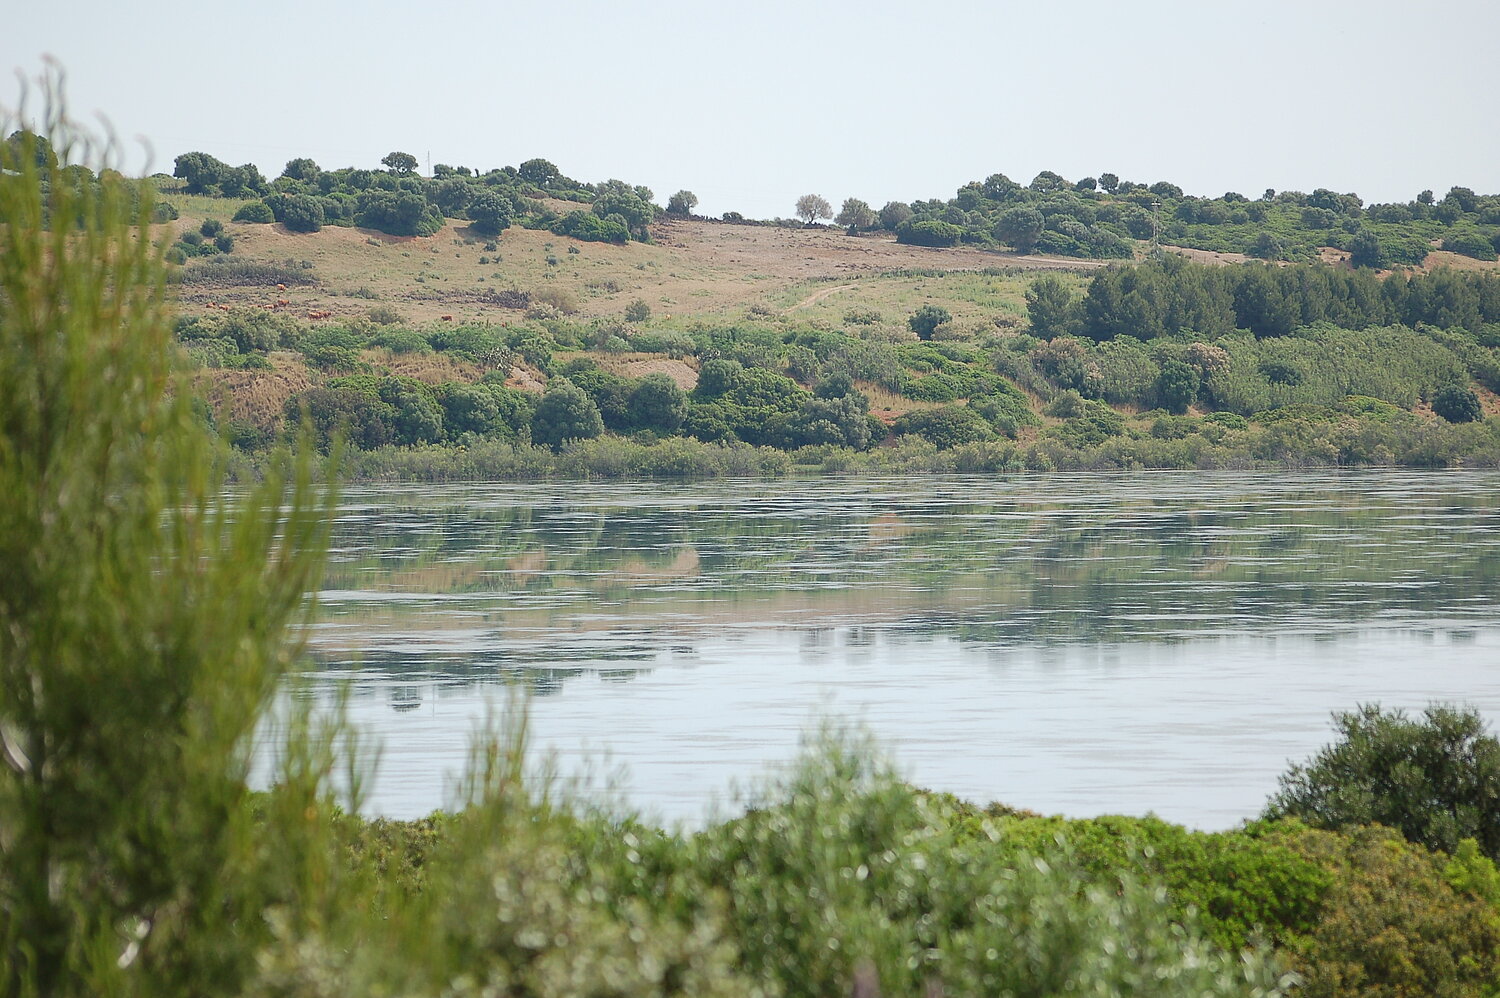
832	337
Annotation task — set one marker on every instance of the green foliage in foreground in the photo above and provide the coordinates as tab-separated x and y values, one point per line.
840	873
1436	779
144	622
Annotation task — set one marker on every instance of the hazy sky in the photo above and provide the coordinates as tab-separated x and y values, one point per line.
750	105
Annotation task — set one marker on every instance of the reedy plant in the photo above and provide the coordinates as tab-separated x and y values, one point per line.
144	615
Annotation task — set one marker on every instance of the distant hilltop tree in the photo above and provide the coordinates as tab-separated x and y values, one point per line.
539	172
813	206
302	169
857	216
401	163
682	203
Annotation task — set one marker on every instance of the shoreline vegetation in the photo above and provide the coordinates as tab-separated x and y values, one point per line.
148	621
1302	445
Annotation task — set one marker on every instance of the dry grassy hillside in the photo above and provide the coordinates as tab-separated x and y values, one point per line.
696	269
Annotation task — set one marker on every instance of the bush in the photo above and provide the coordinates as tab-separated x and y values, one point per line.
1471	243
945	427
637	311
256	211
925	320
846	881
1457	404
1391	921
299	212
590	227
929	232
564	414
1437	780
146	616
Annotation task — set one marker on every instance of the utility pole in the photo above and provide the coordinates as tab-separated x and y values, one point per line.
1155	228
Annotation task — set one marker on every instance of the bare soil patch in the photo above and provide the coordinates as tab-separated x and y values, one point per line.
1207	256
638	365
1457	261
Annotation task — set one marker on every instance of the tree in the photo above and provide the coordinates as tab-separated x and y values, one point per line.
565	414
490	212
1436	780
856	215
1052	307
202	172
1268	246
1109	182
299	212
538	172
302	169
401	213
145	621
1047	181
1457	404
928	232
451	196
632	204
925	320
946	426
893	214
1020	227
1176	386
242	181
813	206
657	404
682	203
1365	250
400	163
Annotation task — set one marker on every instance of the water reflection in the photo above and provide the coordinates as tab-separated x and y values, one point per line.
706	623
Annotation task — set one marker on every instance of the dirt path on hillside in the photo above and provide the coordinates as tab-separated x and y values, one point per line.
813	299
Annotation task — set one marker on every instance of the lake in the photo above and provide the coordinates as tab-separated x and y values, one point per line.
1080	644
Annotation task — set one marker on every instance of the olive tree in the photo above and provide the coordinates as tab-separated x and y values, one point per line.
682	203
857	216
1437	779
811	207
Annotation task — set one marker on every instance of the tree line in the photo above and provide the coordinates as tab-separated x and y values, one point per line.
1102	217
1171	295
399	201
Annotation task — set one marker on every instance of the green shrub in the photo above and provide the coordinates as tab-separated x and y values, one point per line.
928	232
925	320
1390	923
1471	243
1457	404
146	620
1437	780
841	875
946	426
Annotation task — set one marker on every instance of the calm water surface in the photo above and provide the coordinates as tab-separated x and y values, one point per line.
1081	644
